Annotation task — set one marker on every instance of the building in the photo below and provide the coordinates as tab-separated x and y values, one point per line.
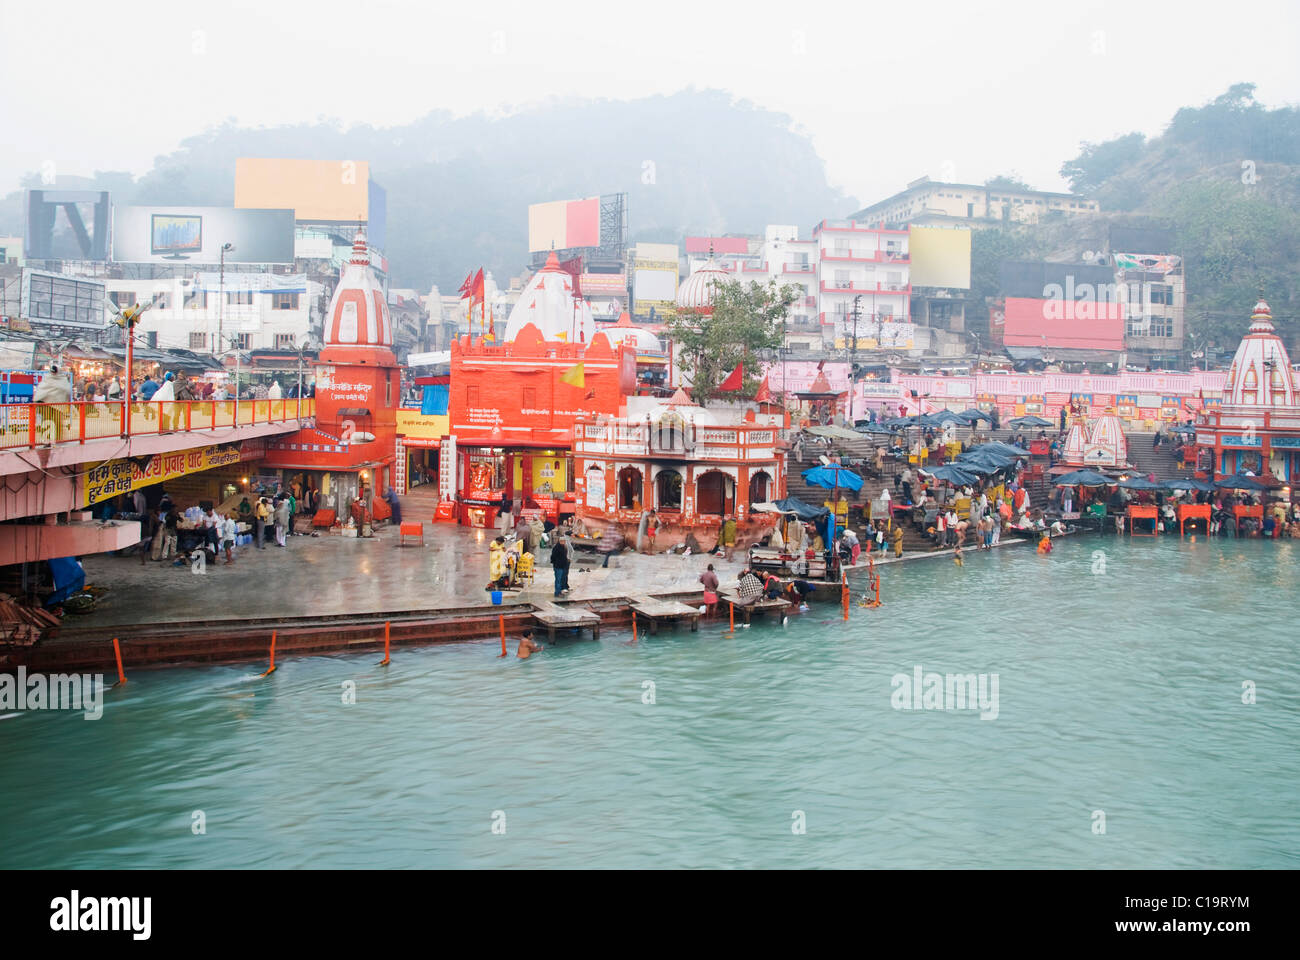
863	286
927	202
350	452
1150	277
1256	427
695	466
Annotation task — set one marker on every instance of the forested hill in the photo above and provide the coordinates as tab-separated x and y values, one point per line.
459	188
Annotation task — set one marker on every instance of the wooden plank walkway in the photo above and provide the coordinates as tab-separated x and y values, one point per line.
669	611
553	617
761	606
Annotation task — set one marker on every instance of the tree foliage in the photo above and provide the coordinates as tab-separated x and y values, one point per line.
1098	162
747	319
1006	181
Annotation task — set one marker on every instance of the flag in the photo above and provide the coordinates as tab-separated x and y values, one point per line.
465	287
735	379
574	269
476	289
574	376
764	394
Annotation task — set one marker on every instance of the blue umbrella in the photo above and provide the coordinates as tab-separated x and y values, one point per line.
1084	478
1006	449
832	476
1030	421
952	473
1142	483
1239	481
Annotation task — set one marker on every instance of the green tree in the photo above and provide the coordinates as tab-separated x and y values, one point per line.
747	319
988	248
1098	162
1006	181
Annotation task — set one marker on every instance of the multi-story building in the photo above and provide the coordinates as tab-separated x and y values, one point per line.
863	287
929	202
1155	295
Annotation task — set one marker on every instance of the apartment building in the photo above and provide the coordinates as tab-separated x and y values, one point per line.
927	202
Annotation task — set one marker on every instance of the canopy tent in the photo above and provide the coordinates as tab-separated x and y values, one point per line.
1084	478
1239	481
1030	421
952	473
838	433
792	505
1142	483
832	476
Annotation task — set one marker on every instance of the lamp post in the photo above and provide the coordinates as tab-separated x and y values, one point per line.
221	295
853	356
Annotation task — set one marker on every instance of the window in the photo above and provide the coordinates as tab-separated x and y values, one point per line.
161	301
151	340
629	489
284	341
530	398
285	301
471	396
1161	293
668	490
198	341
122	298
244	341
842	279
239	297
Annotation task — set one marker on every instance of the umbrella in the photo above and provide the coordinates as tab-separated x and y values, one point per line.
1142	483
1239	481
838	433
1006	449
974	415
804	511
952	473
873	428
1205	486
832	476
1030	421
898	423
1084	478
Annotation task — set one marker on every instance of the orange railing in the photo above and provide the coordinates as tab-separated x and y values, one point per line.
28	425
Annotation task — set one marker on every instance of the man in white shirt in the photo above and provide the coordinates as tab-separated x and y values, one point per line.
274	392
229	530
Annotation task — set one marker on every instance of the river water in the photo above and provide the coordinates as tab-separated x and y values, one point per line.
1119	705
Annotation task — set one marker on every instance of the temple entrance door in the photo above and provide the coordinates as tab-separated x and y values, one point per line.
711	495
526	480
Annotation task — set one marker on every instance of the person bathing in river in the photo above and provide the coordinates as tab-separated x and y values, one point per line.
527	645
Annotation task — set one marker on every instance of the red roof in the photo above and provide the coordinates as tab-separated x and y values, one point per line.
1070	324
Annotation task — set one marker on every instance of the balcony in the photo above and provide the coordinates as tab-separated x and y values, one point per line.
866	256
852	289
798	268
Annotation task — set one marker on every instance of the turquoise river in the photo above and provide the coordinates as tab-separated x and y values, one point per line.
1122	701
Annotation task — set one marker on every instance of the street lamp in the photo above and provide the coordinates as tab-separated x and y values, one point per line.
221	294
853	356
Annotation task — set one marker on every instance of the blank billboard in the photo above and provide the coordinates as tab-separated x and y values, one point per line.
196	234
940	257
655	285
319	191
564	225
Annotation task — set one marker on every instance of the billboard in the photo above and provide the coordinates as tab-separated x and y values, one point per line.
196	234
1070	324
564	224
654	287
320	191
940	257
59	300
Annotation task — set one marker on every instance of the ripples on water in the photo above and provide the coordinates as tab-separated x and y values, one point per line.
1119	693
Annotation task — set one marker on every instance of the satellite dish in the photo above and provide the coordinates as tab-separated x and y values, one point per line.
1089	254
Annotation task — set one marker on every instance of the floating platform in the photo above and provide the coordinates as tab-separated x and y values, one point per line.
668	611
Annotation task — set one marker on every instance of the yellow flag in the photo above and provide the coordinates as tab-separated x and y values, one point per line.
574	376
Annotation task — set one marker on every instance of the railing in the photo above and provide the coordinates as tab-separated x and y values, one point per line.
841	286
28	425
866	256
798	268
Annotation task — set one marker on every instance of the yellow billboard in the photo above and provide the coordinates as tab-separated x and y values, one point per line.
319	190
940	257
425	426
107	479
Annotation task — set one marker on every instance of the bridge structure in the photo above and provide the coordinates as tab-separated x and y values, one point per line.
57	459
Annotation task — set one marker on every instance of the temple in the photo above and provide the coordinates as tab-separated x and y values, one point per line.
349	453
1255	429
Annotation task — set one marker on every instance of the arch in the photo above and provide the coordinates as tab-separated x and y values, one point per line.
668	490
760	488
715	494
630	484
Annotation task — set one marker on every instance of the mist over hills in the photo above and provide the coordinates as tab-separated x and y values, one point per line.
697	161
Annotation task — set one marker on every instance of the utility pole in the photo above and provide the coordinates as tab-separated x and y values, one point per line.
853	356
221	295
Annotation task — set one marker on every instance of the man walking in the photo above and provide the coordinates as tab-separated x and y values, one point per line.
281	520
260	518
560	564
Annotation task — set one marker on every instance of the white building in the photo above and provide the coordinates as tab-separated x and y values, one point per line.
252	311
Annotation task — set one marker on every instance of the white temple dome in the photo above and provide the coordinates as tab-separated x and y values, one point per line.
696	291
548	303
637	337
1260	374
358	311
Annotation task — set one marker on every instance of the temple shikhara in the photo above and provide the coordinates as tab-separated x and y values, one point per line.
1256	427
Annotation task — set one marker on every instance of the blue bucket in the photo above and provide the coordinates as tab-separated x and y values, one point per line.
496	597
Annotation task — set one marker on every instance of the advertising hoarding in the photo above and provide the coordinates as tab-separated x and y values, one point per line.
320	191
564	224
196	234
59	300
654	287
940	257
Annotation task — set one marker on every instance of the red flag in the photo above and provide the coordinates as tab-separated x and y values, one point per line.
735	379
464	287
476	288
764	394
574	269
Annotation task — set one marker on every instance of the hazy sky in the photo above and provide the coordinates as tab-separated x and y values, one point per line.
888	91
